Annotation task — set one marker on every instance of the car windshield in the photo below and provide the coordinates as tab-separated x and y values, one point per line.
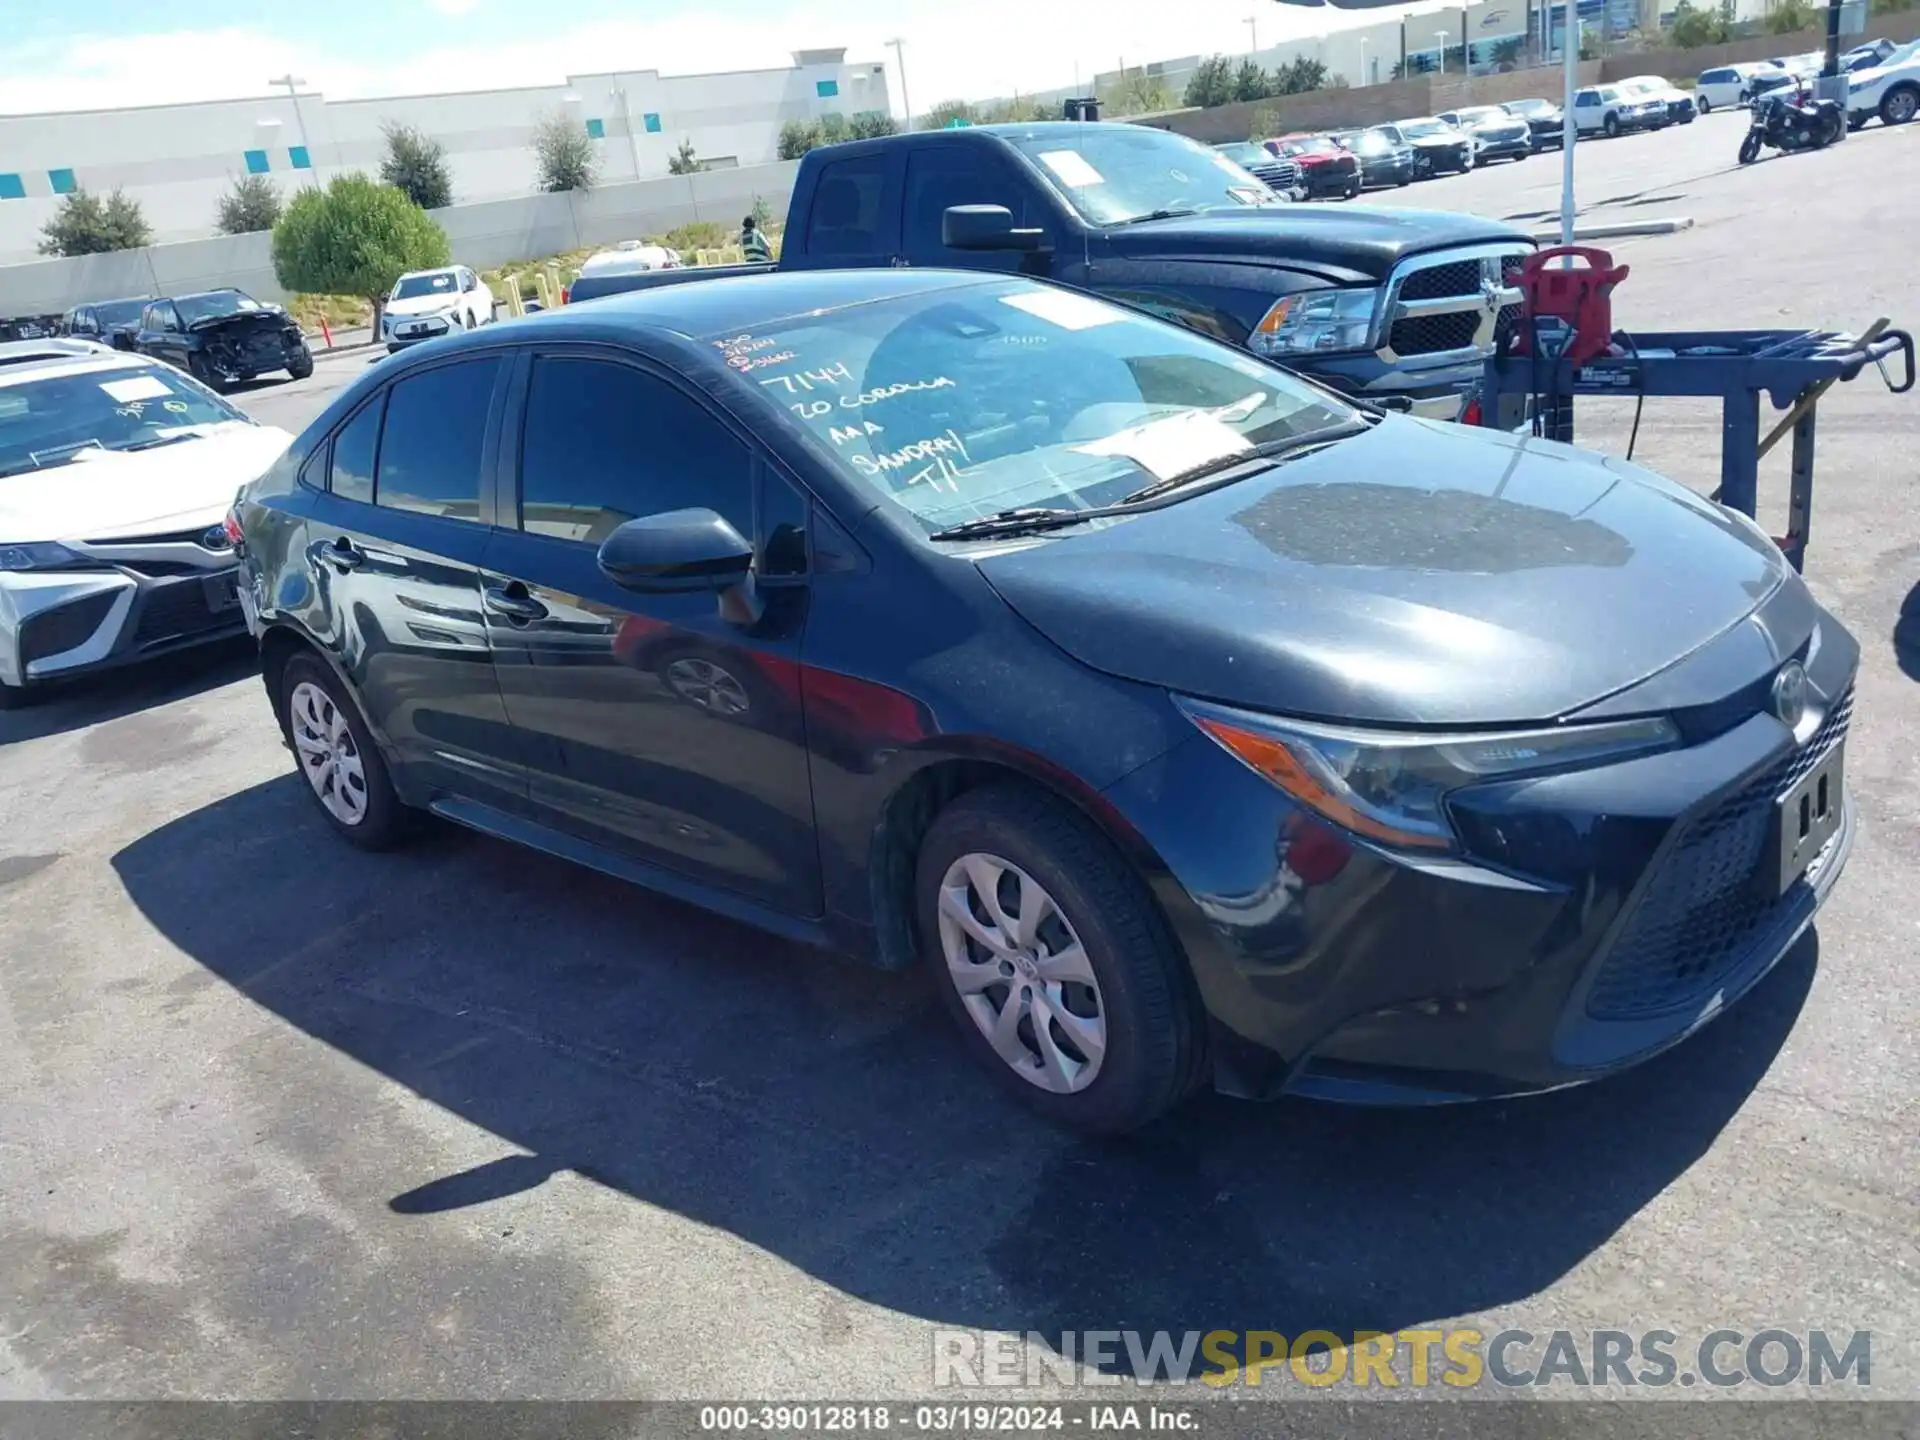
63	418
214	304
120	312
971	401
412	287
1485	115
1374	142
1114	174
1423	129
1309	145
1244	152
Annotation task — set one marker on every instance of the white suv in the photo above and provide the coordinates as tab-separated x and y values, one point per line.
116	476
426	304
1726	86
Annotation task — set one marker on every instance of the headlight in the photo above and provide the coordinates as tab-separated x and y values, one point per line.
1316	321
37	557
1392	787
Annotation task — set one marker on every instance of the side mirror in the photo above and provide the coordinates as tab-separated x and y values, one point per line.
986	227
680	550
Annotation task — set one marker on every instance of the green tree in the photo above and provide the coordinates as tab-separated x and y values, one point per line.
871	125
87	225
1692	26
1296	77
356	237
1789	17
683	161
946	112
797	137
563	154
1139	93
252	204
416	163
1250	82
1211	82
834	128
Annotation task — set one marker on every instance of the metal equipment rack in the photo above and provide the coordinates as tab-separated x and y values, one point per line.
1793	368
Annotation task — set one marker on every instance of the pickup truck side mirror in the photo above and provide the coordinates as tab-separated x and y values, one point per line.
986	227
679	550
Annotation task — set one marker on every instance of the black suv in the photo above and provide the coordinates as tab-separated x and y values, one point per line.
111	322
223	337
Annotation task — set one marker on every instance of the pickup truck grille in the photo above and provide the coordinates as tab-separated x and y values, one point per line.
1451	302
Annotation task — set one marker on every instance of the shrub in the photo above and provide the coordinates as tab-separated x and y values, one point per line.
87	225
563	154
252	204
683	161
416	164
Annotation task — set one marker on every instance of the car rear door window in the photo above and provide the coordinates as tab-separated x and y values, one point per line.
351	473
604	443
846	218
435	432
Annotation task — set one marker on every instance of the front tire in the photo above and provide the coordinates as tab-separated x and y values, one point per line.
1050	954
1750	149
1704	105
338	758
199	368
1611	125
302	365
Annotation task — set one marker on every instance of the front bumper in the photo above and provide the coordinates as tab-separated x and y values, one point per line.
403	330
1597	918
1505	148
1443	159
59	624
1548	136
1324	181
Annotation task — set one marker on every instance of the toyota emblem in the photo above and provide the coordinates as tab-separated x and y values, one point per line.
1788	698
216	538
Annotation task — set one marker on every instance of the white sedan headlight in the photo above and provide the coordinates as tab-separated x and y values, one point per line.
43	556
1316	322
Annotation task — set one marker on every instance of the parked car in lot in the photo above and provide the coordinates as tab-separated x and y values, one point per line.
426	304
1393	306
1327	170
223	337
1726	86
1785	84
1546	122
116	475
1082	594
1680	108
1890	90
111	322
1280	175
1610	110
1438	148
1496	134
1384	159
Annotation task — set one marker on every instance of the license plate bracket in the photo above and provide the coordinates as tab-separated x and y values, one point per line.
1803	821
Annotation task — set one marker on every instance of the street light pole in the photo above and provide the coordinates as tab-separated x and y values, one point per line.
1253	35
293	82
900	64
1569	132
1441	36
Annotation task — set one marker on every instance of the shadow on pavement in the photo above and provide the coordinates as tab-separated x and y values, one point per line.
1906	635
826	1113
110	694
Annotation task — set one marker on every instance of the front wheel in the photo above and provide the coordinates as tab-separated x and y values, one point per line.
202	370
1705	105
1750	149
1611	125
301	366
1049	953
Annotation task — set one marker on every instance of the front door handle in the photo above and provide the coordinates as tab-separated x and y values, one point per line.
513	601
344	555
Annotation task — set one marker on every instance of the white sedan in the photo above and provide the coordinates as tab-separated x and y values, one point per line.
426	304
116	476
1890	89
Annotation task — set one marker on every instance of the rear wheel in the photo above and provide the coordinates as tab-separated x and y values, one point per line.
1050	955
1898	105
337	755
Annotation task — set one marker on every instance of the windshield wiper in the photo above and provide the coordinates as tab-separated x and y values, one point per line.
1157	215
1020	520
159	440
1293	446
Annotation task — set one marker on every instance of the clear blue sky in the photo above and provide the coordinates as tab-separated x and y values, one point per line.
61	56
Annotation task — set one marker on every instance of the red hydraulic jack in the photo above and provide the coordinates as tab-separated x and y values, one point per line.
1565	346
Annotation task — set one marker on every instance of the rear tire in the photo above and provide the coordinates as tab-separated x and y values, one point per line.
1899	104
1021	901
337	757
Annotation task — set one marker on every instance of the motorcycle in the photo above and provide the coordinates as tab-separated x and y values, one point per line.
1792	124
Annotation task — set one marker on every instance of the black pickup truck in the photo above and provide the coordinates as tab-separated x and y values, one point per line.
1400	307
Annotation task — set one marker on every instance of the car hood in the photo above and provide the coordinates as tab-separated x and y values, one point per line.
147	492
1427	142
424	304
1417	574
1357	239
266	317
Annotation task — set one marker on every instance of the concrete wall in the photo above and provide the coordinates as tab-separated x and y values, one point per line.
484	236
177	160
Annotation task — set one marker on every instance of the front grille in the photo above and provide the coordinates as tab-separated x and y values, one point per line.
1428	334
54	632
1702	911
1438	282
168	612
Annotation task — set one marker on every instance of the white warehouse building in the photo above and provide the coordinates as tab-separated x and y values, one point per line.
177	160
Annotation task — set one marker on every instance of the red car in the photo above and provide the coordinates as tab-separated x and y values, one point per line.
1327	168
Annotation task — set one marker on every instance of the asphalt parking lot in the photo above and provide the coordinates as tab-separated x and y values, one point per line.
286	1120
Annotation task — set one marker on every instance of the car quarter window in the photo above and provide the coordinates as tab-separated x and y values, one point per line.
435	433
940	176
845	219
604	443
350	475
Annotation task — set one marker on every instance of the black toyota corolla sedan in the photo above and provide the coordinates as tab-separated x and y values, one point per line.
1191	724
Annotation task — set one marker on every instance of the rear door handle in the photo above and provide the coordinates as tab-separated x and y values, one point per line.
513	601
344	555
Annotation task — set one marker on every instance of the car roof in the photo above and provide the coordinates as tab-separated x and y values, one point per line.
209	294
432	270
23	361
